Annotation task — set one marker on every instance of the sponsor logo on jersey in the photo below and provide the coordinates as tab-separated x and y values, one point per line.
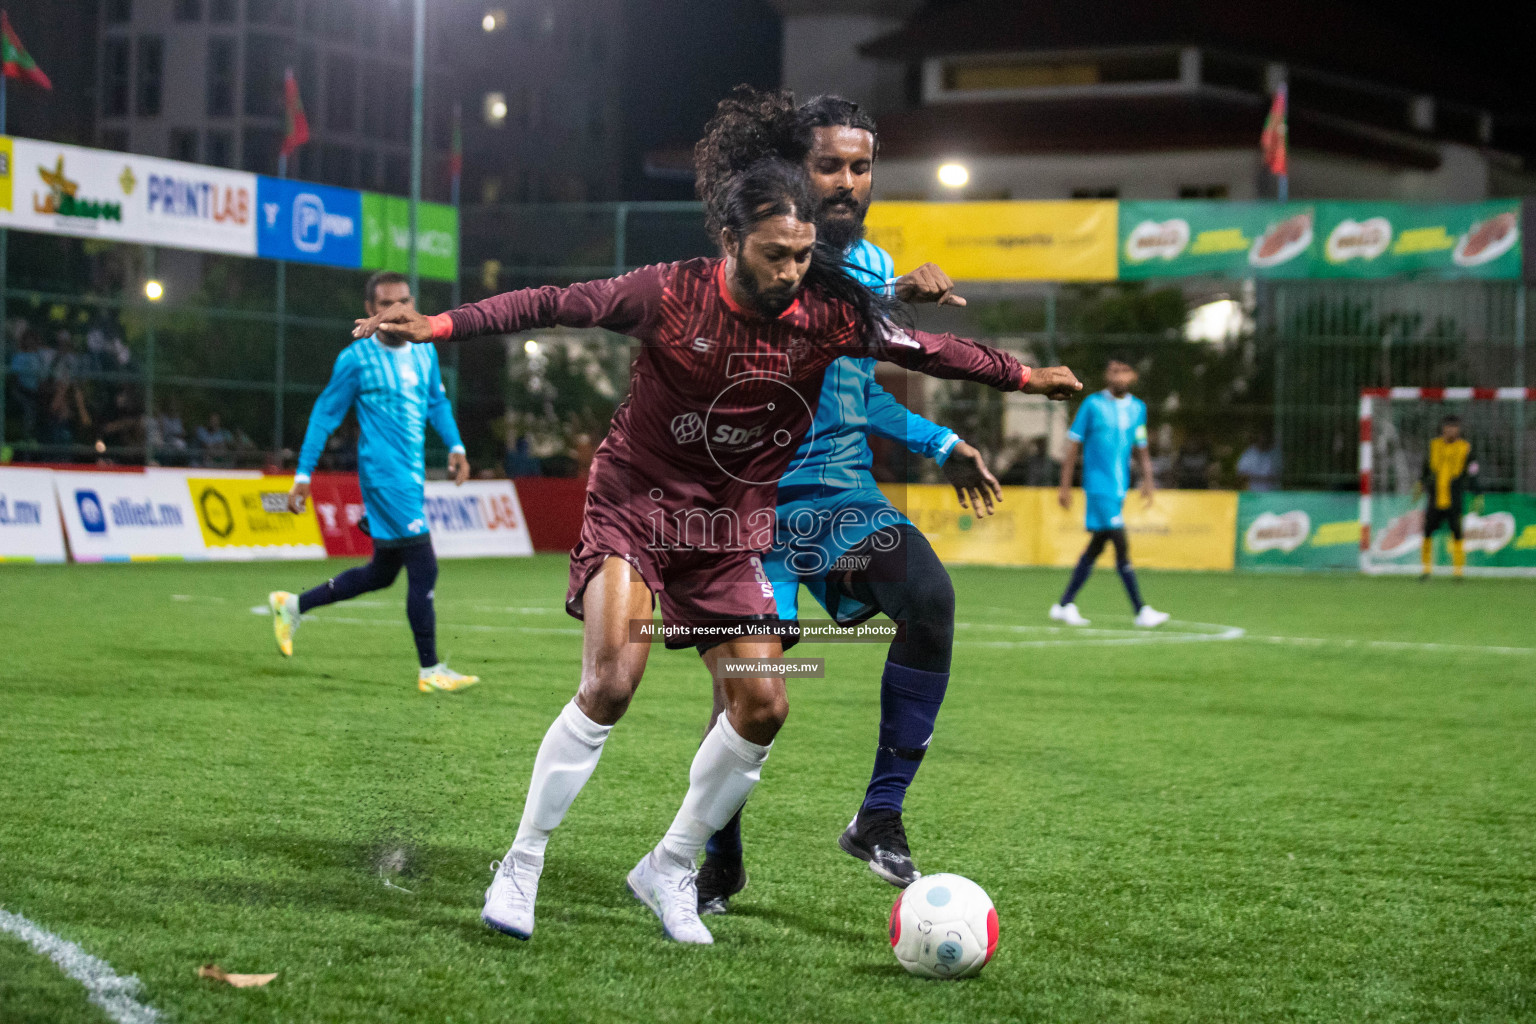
688	428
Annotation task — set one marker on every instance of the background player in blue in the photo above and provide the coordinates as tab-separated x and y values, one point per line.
1111	425
397	389
837	533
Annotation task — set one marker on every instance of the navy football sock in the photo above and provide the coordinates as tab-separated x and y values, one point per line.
421	578
1080	574
726	842
909	705
1128	577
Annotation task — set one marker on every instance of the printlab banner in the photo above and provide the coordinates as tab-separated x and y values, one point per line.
481	518
1503	536
93	193
1319	240
128	517
1298	530
29	517
1000	241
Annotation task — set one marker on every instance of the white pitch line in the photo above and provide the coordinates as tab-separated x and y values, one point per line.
1393	645
105	987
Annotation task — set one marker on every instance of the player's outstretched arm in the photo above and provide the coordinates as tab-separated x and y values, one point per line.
927	284
950	358
619	304
973	482
330	409
963	465
1068	468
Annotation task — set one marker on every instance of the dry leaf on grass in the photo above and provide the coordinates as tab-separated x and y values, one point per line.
217	973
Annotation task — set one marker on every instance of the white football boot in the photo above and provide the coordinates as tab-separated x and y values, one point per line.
1150	618
1068	614
509	900
667	887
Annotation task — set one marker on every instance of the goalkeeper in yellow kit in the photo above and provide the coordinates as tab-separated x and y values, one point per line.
1450	470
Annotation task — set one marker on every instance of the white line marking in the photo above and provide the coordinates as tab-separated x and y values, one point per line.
105	987
1088	636
1393	645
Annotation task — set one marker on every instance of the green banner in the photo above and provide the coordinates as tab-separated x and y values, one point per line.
1298	530
1319	240
1502	536
386	236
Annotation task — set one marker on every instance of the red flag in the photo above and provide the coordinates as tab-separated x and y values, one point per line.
1273	140
15	61
297	128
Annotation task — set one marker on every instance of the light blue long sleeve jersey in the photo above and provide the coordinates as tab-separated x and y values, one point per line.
829	500
397	390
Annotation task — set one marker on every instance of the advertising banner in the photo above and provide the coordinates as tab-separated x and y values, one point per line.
29	517
1011	536
479	519
1191	238
307	223
338	502
1182	530
387	236
1503	536
1398	239
93	193
1298	530
245	519
128	517
1001	241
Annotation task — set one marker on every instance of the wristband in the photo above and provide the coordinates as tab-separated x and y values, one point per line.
1024	374
442	326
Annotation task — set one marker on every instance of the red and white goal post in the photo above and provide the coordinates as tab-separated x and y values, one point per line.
1396	425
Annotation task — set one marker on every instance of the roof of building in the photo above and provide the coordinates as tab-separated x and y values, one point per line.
1321	34
1129	124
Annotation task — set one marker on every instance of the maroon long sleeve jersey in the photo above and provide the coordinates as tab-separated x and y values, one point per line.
720	398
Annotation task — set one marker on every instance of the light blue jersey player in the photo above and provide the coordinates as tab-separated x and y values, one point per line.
1110	429
396	389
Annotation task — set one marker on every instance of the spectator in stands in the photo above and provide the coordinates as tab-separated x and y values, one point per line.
214	443
519	462
126	427
1259	465
1040	470
1192	467
173	433
27	372
66	415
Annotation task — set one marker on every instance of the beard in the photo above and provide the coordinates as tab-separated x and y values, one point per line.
767	302
840	221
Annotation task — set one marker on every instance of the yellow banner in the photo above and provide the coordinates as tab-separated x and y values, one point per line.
1182	529
235	513
7	157
1002	241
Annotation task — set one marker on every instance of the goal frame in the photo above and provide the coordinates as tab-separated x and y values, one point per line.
1368	399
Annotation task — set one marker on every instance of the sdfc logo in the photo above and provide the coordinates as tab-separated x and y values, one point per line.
688	428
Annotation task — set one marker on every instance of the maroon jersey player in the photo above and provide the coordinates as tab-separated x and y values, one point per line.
682	491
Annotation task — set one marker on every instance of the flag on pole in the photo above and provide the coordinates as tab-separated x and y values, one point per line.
456	155
296	131
1273	140
15	61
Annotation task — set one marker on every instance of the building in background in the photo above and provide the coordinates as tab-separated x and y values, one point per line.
61	36
1098	99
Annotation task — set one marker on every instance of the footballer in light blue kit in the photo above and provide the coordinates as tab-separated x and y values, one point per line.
840	536
397	389
1110	429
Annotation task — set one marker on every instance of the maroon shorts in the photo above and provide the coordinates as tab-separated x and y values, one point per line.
706	596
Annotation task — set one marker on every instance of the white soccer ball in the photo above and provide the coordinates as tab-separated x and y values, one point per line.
943	926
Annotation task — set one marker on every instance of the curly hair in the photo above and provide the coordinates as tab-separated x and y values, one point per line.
748	126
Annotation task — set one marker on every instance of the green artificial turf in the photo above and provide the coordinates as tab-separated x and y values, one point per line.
1325	818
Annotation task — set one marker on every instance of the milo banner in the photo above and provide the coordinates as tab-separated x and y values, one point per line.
1502	536
1319	240
1298	530
1000	241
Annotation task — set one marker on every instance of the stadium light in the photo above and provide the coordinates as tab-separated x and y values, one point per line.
488	23
953	175
531	347
1216	322
153	290
495	109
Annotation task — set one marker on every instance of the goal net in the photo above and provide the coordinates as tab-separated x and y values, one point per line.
1396	426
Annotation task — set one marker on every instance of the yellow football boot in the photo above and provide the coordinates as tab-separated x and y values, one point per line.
441	677
285	619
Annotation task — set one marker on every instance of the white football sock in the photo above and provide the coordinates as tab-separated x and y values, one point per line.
724	771
565	762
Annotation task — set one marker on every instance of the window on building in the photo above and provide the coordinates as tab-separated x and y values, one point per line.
221	11
114	77
271	12
151	69
119	11
1096	192
367	169
221	76
338	166
266	59
595	118
597	46
341	94
340	20
1028	74
184	144
219	148
397	174
114	138
1202	191
189	10
260	147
